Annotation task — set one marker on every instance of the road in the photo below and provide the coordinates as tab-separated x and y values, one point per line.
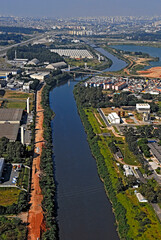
157	210
37	37
36	215
103	117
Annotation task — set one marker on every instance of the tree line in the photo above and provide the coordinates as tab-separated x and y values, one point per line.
39	51
47	181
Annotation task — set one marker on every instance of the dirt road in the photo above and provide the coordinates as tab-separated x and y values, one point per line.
35	219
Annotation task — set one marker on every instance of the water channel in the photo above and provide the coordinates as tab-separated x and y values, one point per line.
84	211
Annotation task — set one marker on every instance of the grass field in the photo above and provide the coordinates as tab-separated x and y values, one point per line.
18	95
8	196
11	104
129	157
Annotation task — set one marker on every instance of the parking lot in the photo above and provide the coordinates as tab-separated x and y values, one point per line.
8	175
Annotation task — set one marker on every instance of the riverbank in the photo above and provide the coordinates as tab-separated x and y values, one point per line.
121	195
36	218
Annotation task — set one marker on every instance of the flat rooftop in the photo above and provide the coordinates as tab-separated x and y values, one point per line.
9	131
10	114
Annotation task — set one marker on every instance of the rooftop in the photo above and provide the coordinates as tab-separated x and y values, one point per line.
9	131
10	114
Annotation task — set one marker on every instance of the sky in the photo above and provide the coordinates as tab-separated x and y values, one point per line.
80	8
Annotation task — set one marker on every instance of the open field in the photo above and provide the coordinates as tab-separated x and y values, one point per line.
18	95
11	104
129	157
8	196
154	72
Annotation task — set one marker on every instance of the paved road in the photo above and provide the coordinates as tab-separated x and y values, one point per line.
103	117
4	50
157	210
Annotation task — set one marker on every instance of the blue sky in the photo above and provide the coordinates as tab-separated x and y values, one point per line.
76	8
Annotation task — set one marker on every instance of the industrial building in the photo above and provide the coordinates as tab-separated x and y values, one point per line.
113	118
12	116
2	162
10	120
9	131
55	66
34	62
142	107
40	76
73	53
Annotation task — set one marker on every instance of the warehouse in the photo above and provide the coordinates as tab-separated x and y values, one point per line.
34	62
57	65
40	76
9	131
12	116
143	107
113	118
73	53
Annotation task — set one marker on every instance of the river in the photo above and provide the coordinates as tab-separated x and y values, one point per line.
84	211
152	51
117	65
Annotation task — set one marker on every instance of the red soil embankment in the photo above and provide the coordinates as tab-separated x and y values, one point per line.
35	218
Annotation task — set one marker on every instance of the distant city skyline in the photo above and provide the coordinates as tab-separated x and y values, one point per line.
83	8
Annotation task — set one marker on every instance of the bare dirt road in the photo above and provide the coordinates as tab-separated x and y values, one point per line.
35	218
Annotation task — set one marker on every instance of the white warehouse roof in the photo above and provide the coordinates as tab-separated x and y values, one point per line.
142	105
73	53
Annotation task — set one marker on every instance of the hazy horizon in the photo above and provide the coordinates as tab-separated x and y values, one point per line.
83	8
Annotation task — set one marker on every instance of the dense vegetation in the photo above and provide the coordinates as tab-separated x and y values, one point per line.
125	99
15	37
12	229
139	36
13	151
19	30
47	182
38	51
149	190
15	208
92	97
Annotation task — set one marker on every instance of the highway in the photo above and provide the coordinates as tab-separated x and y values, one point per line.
4	50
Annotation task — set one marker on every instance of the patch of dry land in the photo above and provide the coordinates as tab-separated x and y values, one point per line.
154	72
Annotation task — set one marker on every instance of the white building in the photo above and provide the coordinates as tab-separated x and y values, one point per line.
128	171
73	53
57	65
140	197
34	62
143	107
26	86
40	76
113	118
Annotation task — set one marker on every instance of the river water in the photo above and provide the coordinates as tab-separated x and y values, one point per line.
152	51
117	65
84	211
